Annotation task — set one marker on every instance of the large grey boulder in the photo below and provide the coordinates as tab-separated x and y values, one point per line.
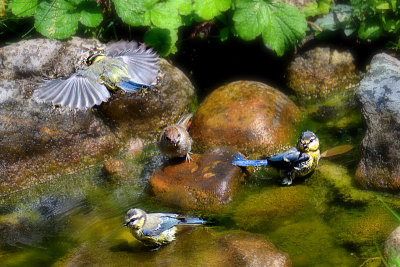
38	140
379	95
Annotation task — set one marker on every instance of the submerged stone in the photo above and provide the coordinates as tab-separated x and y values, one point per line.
250	117
362	229
321	71
267	210
208	182
245	249
192	247
311	243
379	95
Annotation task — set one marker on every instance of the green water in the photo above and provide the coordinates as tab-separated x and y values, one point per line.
76	219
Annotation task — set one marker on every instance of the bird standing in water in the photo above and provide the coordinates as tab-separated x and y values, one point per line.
156	229
175	141
298	161
124	65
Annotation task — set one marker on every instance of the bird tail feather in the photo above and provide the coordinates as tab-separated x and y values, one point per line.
191	221
131	86
238	160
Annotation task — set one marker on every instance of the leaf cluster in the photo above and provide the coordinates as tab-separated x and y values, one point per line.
369	19
280	26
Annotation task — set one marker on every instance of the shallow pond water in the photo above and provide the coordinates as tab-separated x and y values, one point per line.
76	219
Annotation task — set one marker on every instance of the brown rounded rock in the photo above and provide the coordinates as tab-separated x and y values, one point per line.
246	249
321	71
206	183
250	117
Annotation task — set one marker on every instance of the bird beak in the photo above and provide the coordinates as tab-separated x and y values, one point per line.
125	224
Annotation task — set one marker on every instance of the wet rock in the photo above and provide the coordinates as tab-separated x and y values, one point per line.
208	182
250	117
245	249
362	229
39	142
321	71
379	96
340	183
392	248
115	169
153	108
266	210
192	247
311	243
135	146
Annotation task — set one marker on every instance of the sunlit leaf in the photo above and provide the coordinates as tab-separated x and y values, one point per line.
90	15
23	8
56	19
184	7
166	16
134	12
208	9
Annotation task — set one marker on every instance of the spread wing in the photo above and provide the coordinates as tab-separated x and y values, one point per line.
75	91
142	62
164	223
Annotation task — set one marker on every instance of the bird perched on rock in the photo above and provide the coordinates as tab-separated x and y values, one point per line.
296	162
124	65
156	229
175	141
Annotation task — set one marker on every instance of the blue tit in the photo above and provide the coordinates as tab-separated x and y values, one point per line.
175	141
298	161
156	229
124	65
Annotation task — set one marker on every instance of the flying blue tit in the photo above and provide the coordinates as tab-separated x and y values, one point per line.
156	229
175	141
298	161
124	65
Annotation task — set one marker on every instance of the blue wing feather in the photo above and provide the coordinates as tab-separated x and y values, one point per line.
166	223
131	86
238	160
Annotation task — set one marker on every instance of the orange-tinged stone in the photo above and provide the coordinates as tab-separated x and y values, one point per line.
250	117
199	184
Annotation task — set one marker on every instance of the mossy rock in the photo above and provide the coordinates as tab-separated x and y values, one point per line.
362	230
339	181
311	243
271	206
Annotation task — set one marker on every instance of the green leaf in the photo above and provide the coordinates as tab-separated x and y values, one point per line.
90	14
184	7
56	19
134	12
369	29
162	40
316	8
23	8
286	26
208	9
165	16
281	25
250	18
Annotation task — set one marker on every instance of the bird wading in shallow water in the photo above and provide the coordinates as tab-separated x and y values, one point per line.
175	141
124	65
298	161
156	229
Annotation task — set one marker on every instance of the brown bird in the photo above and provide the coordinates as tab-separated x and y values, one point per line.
175	141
